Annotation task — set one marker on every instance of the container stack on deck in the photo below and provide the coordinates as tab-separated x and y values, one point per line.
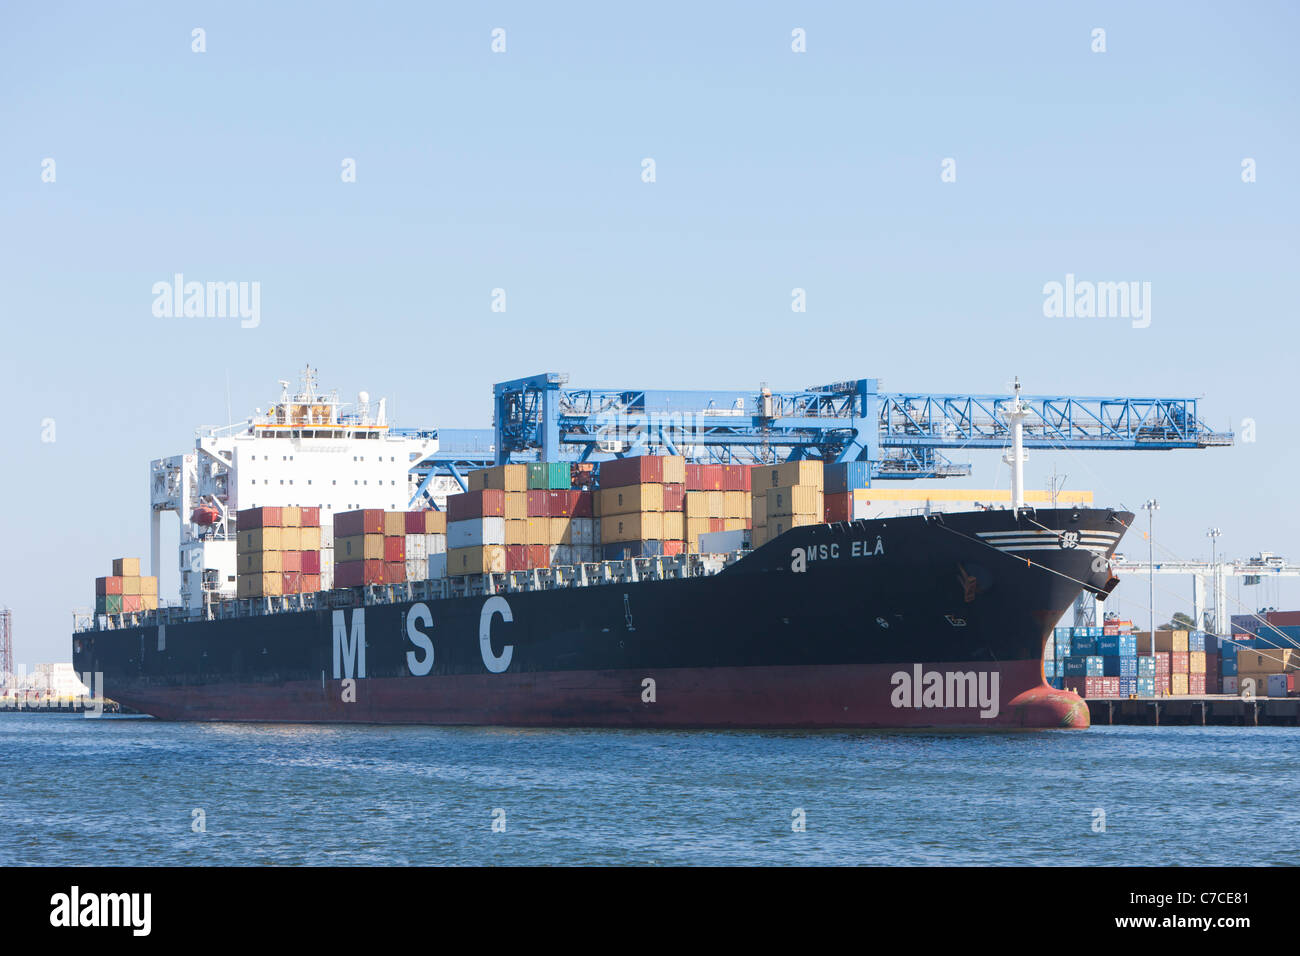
794	495
426	545
847	494
277	551
630	504
125	591
361	547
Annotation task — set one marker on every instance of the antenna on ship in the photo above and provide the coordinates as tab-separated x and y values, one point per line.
1016	459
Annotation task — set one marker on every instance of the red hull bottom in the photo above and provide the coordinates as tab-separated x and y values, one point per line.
839	696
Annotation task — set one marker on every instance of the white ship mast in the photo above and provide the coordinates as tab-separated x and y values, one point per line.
1017	457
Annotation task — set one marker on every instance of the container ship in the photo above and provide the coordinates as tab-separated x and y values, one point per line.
638	592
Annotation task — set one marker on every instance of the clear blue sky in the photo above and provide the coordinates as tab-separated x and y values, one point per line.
522	170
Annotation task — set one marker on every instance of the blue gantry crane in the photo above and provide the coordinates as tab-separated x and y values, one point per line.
901	435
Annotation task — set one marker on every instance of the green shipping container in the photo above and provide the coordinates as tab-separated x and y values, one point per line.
108	604
548	475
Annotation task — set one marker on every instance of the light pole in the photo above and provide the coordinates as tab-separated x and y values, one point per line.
1152	506
1213	535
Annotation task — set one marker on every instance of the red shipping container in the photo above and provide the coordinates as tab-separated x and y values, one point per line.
290	582
1292	683
364	521
1110	629
674	497
516	557
559	503
415	522
1162	685
311	562
735	478
582	504
1162	663
250	519
487	503
704	478
310	517
1282	617
109	585
1196	683
310	583
395	548
839	507
642	470
539	556
353	574
672	548
717	524
538	502
131	604
291	561
394	571
1178	662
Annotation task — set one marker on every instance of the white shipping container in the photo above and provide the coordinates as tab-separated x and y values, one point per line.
416	547
438	564
1230	685
436	544
583	531
417	569
474	532
562	554
723	542
1277	685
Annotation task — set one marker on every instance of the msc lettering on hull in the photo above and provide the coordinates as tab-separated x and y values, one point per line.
946	689
419	620
800	558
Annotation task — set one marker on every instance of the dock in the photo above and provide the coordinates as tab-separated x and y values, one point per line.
1218	710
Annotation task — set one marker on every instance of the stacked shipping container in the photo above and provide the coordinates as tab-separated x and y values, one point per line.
125	591
642	504
793	495
277	551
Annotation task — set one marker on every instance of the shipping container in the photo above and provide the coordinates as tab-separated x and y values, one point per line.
261	539
628	499
622	550
269	584
794	500
290	517
414	523
291	582
310	516
1146	686
262	562
1117	666
290	539
736	478
538	531
790	473
477	532
723	542
394	549
780	525
1165	641
1117	645
488	503
311	562
841	477
435	522
675	497
735	504
705	478
437	566
108	585
364	521
516	557
642	470
358	547
1196	684
1146	666
705	504
394	571
1230	684
582	503
1178	662
488	559
499	478
250	519
309	539
516	533
548	474
535	505
1178	684
642	526
559	503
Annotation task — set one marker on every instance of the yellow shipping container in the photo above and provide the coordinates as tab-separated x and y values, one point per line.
516	531
790	473
642	526
290	517
435	522
539	531
706	504
126	567
674	470
149	585
631	499
758	536
487	559
1165	641
516	505
758	510
291	539
696	527
795	500
131	585
735	524
501	477
259	539
260	562
780	524
394	524
149	602
1196	662
308	539
1269	660
735	504
260	585
357	547
1178	685
674	526
560	531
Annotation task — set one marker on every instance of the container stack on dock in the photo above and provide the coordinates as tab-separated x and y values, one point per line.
631	507
125	591
794	495
277	551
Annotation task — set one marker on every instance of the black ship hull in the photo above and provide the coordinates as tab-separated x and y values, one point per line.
901	622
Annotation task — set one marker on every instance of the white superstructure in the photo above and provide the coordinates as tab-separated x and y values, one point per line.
307	449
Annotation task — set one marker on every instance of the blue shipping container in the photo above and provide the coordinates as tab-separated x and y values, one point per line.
1115	666
1128	686
1083	644
1117	645
846	476
1146	686
1228	665
1196	640
622	550
1146	667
